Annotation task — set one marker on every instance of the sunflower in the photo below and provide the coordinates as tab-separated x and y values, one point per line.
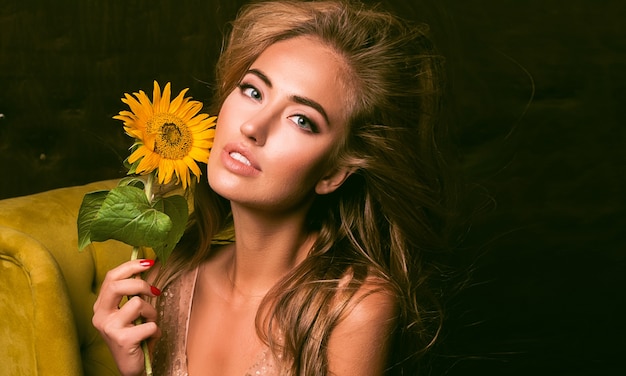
170	136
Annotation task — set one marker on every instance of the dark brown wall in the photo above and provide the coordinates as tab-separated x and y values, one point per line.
536	94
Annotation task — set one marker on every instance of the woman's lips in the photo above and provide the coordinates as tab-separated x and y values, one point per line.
239	161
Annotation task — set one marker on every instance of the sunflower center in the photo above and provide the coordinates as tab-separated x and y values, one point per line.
173	138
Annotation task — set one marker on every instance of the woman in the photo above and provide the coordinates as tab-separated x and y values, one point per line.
325	162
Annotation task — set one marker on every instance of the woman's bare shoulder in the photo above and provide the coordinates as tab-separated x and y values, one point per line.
375	300
360	342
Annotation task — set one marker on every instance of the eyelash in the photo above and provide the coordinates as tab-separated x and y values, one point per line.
310	126
244	87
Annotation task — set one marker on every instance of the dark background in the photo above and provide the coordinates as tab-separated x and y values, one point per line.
537	90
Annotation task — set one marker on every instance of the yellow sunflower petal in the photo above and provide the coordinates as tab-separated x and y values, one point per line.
136	107
125	115
133	132
192	165
149	163
205	135
203	146
204	123
189	110
146	105
166	171
198	120
149	140
178	101
165	99
156	97
137	154
199	155
128	122
183	173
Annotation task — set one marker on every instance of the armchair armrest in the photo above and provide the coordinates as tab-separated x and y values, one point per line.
37	331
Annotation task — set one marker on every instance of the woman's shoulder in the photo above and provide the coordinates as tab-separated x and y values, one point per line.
375	300
362	338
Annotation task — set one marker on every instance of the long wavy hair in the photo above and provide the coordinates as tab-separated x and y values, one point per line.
386	221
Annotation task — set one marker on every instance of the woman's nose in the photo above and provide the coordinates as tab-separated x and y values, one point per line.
252	132
257	127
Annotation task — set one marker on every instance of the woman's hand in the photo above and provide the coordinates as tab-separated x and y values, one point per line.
117	325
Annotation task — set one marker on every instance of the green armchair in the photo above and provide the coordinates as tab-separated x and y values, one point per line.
48	287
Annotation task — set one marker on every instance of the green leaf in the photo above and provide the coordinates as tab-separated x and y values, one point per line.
87	214
132	181
131	167
126	215
176	209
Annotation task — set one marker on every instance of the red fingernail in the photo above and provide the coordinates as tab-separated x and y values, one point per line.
146	263
155	291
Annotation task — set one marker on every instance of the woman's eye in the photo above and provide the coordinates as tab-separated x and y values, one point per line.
250	91
304	123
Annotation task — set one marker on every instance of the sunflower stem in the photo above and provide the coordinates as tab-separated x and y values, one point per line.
134	254
148	186
144	344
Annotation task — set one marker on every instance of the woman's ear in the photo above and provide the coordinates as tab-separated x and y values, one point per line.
332	181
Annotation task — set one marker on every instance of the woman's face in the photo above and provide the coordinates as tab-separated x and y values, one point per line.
277	130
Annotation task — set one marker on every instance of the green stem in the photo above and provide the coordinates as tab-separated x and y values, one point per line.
144	344
134	254
148	186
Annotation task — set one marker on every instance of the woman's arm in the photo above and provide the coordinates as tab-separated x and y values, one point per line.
361	342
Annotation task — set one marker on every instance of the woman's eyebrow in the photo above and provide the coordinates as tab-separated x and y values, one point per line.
261	75
295	98
311	103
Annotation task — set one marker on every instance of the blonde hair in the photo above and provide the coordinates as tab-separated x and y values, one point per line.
385	222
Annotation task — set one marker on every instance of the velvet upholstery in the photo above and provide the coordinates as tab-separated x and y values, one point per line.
48	287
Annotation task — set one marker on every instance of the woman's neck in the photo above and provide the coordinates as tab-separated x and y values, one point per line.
266	248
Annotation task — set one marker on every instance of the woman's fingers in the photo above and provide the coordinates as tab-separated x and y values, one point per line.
118	284
112	293
129	269
112	323
136	308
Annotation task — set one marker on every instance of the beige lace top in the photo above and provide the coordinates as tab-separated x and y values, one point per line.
174	310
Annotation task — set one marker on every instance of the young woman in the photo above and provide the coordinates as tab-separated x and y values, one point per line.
326	163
